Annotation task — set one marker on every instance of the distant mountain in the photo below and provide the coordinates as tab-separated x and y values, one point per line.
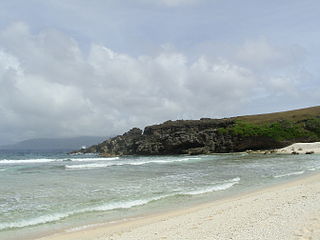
55	143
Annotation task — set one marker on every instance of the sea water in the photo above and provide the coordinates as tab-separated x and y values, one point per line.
41	193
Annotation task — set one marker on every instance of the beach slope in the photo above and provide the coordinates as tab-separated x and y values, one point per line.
301	148
286	211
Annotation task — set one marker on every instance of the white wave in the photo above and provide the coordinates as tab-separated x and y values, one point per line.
133	163
127	204
289	174
34	221
41	160
93	159
218	187
111	206
194	158
59	216
47	160
2	169
160	161
314	168
96	159
89	166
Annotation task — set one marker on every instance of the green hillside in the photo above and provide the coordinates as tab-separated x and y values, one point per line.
294	116
300	125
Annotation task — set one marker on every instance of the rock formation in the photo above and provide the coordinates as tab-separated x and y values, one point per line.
256	132
181	137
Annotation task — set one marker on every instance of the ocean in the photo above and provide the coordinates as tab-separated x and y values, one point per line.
42	193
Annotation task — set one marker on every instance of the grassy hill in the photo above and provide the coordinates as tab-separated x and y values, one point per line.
299	125
294	116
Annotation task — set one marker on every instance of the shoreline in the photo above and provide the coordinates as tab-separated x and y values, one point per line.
286	209
300	148
295	148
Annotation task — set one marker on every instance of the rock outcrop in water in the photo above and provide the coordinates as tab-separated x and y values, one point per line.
257	132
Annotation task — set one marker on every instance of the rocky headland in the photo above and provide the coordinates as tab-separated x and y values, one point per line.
205	136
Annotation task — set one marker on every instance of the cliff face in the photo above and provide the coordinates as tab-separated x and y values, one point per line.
182	137
256	132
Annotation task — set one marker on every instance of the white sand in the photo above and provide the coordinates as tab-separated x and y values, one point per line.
284	212
301	148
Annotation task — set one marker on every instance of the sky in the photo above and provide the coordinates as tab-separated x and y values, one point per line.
100	67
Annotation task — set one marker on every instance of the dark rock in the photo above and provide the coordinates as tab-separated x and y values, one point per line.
311	152
133	132
198	151
182	137
171	137
256	132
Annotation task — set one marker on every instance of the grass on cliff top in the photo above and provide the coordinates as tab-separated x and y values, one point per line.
308	129
269	124
295	116
301	124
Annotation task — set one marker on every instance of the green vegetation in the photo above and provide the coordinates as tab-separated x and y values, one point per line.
280	130
301	124
313	125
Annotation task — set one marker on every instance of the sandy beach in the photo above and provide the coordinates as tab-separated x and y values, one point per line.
286	211
301	148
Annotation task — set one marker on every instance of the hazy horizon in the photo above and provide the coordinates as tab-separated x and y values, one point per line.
69	143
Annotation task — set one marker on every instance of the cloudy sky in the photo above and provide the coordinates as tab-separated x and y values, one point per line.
100	67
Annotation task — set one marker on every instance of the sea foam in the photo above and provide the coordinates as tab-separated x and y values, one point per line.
314	168
48	160
59	216
217	187
33	221
289	174
112	206
133	163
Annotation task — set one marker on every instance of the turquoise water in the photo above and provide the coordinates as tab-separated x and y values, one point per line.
46	192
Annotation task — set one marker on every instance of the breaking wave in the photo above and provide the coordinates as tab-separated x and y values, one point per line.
134	163
314	168
218	187
47	160
59	216
289	174
112	206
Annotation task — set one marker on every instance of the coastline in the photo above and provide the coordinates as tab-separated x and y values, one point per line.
301	148
288	210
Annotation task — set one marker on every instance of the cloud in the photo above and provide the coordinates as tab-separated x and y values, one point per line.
283	79
173	3
50	87
261	54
